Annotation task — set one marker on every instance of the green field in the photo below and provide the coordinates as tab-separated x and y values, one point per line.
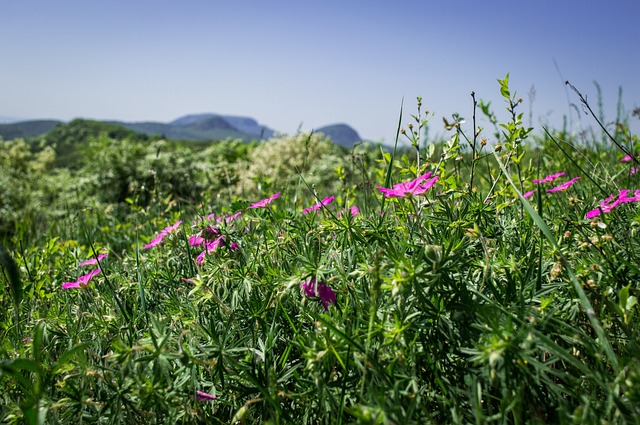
491	276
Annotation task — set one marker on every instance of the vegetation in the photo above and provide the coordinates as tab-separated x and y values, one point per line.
491	277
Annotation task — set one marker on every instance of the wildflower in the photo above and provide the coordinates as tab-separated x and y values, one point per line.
549	178
325	201
195	240
320	290
93	261
202	396
528	194
634	170
212	217
172	228
155	241
210	246
564	186
410	188
354	211
166	231
264	202
626	158
230	218
82	280
612	201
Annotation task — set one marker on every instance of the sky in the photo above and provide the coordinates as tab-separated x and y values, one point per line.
300	65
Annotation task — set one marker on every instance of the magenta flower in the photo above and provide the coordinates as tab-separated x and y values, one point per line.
264	202
634	170
228	219
196	240
316	207
626	158
564	186
202	396
209	247
612	201
354	211
212	217
321	291
93	261
549	178
155	241
410	188
82	280
528	194
166	231
170	229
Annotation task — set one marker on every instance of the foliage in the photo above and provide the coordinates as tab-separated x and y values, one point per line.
274	283
289	163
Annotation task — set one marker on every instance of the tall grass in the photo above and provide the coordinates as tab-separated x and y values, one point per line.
465	304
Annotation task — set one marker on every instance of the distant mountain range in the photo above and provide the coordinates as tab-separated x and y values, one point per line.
195	127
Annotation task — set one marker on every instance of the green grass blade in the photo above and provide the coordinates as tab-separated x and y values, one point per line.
582	297
13	274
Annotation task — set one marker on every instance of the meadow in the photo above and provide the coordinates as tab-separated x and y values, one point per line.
488	277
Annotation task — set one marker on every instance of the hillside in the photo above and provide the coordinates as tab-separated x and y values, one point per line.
206	129
69	139
27	129
341	134
194	127
245	125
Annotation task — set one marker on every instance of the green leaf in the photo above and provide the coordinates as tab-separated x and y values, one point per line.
582	297
504	87
623	296
67	356
13	273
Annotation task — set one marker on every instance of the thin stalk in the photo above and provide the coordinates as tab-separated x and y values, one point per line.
618	144
475	142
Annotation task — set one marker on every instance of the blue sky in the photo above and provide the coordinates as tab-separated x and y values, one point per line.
295	64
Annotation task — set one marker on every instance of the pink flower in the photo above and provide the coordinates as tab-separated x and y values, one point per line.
202	396
234	246
564	186
264	202
325	201
93	261
155	241
634	170
195	240
608	204
354	211
626	158
172	228
209	246
166	231
410	188
82	280
550	178
320	290
528	194
212	217
228	219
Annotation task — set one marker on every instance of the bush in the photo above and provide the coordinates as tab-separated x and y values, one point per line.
284	162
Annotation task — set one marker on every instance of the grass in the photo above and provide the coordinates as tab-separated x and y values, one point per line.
465	304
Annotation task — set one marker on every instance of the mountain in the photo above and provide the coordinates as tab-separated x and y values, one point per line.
194	127
202	127
214	128
341	134
68	139
243	124
27	129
